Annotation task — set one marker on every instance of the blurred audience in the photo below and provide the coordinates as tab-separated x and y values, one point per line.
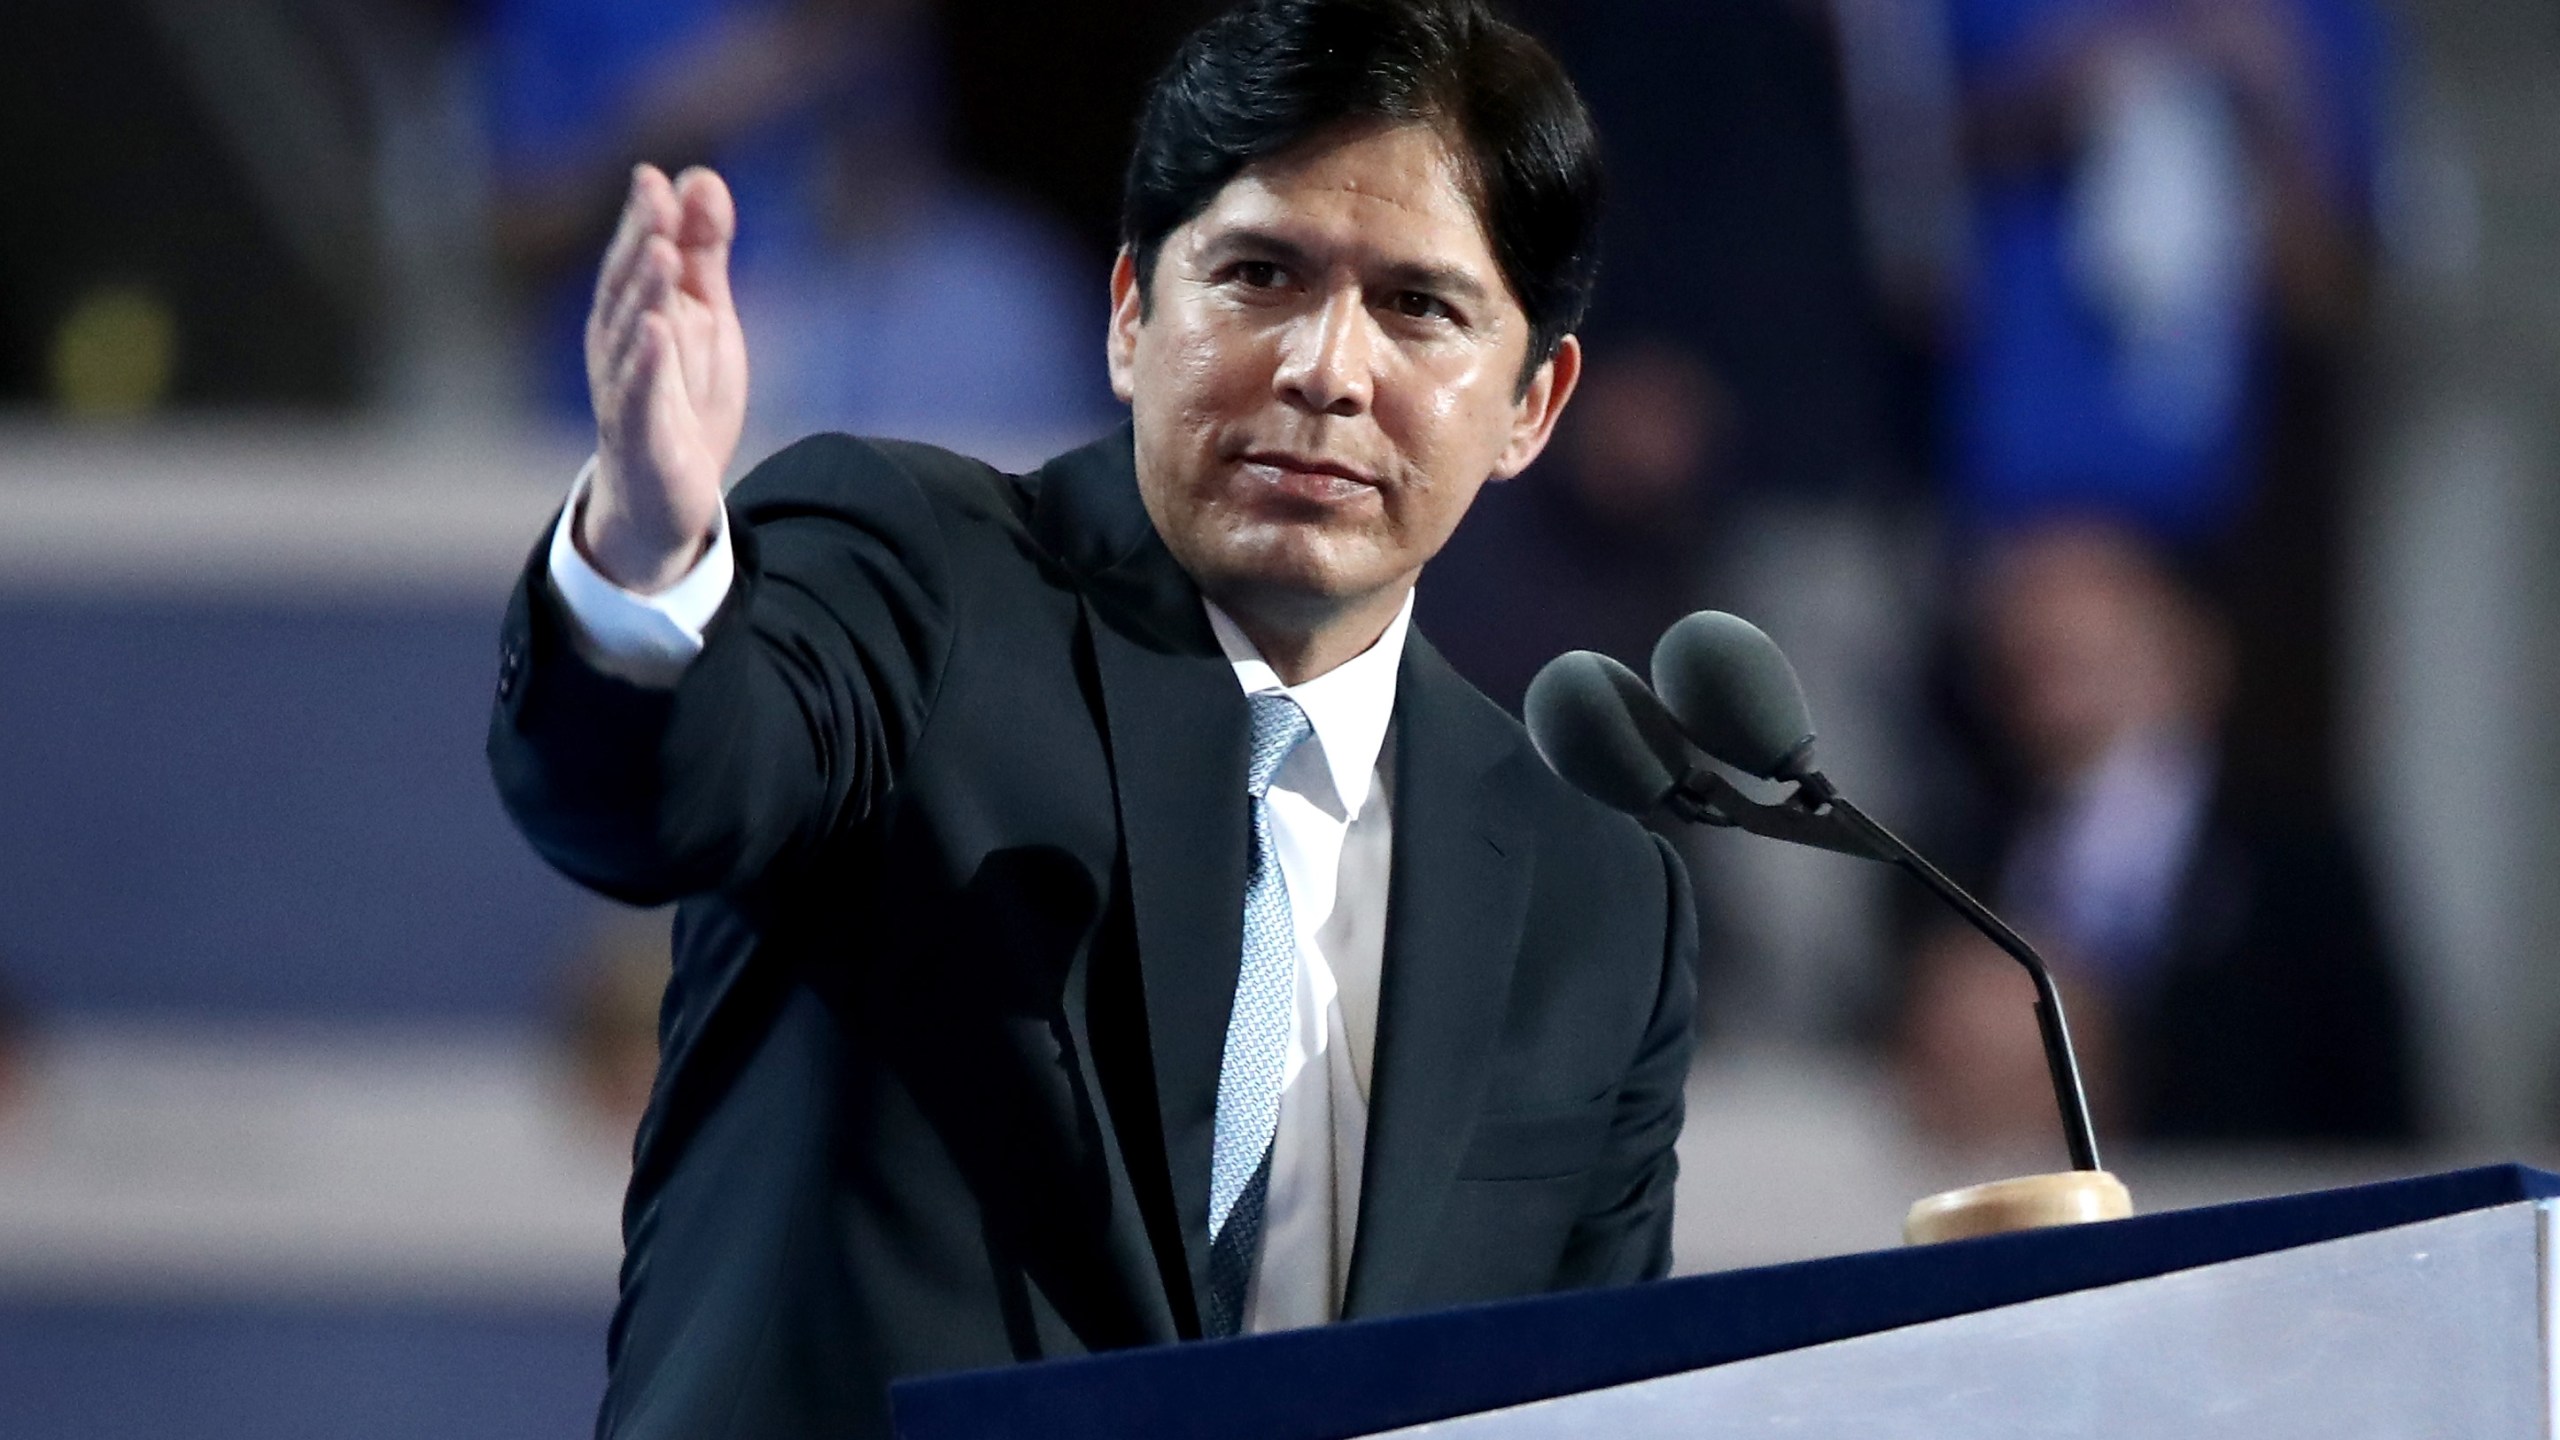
2156	186
2235	978
16	1034
1599	547
881	291
2162	297
609	1017
579	89
190	218
897	297
1732	233
1970	1059
1737	324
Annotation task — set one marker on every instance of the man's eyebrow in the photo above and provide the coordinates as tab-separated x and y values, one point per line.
1455	282
1261	243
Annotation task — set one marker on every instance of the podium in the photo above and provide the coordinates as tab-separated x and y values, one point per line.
2421	1307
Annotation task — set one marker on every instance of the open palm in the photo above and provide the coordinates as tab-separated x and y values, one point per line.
667	373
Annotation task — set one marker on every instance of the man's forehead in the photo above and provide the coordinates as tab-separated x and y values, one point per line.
1399	190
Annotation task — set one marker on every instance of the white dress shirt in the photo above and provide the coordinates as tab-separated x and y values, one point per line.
1330	823
645	639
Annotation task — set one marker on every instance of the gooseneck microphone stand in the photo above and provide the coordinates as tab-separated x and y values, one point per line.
1815	813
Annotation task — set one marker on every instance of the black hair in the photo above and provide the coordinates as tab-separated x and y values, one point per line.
1271	74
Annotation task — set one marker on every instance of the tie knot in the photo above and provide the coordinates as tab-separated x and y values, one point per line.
1278	726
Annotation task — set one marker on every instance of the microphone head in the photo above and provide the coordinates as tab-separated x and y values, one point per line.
1598	726
1735	695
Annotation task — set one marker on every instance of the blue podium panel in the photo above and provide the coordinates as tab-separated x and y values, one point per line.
2431	1329
1365	1377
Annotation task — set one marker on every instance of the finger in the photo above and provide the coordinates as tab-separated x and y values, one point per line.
630	227
706	214
636	383
707	223
670	408
652	280
609	334
610	387
655	434
648	209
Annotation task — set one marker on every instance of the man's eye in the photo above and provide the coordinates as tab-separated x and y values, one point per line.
1257	274
1423	306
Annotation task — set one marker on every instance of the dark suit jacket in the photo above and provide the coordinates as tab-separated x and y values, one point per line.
955	790
2275	1013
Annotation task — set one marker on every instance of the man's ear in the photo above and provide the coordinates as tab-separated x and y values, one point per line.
1121	345
1542	400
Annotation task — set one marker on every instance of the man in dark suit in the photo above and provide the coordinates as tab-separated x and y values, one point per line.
1105	922
2234	982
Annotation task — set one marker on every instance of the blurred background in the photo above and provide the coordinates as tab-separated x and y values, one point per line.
2135	417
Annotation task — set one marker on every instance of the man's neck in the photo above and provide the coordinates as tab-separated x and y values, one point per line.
1299	645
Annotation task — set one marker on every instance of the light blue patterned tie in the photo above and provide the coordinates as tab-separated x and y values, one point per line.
1257	1034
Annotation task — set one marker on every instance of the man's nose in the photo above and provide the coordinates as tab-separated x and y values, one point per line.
1326	365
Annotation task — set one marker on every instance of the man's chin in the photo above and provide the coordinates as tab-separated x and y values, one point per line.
1291	568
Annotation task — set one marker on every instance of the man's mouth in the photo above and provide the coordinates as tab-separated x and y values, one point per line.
1307	478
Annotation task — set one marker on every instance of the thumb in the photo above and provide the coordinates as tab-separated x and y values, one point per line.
706	224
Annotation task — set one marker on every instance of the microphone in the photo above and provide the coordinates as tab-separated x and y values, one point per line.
1595	724
1732	690
1602	729
1735	692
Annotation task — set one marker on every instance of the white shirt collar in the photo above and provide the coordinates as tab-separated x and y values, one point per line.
1348	706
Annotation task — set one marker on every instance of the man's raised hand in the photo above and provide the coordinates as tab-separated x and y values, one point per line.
667	372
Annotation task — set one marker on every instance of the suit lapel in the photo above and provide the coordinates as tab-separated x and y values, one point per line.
1456	896
1176	726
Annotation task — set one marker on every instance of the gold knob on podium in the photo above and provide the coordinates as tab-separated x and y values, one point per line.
2027	1202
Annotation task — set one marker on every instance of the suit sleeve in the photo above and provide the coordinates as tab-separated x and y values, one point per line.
815	676
1626	1236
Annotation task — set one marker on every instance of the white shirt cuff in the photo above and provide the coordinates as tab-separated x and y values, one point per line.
644	639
